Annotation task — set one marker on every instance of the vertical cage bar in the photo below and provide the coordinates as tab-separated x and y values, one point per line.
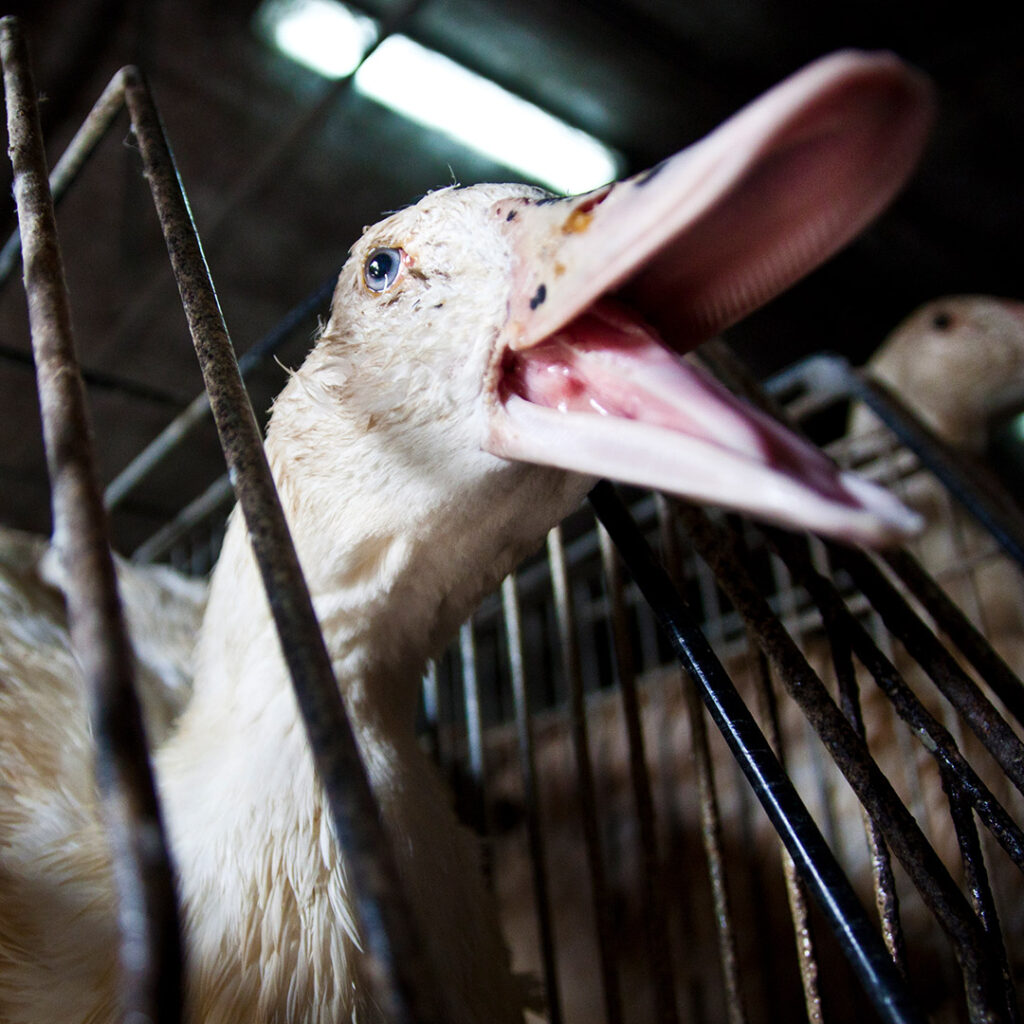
796	892
711	821
397	971
585	775
149	953
474	734
655	921
528	771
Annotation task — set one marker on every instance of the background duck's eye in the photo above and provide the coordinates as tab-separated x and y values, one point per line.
381	268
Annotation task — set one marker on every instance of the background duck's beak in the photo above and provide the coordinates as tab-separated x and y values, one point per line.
689	248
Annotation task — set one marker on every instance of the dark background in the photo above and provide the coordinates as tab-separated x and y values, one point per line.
278	204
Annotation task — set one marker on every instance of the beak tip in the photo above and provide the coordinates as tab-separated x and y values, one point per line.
891	522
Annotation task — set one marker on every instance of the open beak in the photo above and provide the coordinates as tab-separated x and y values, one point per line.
611	287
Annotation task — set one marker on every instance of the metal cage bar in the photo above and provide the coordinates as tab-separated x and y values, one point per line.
799	833
149	953
396	971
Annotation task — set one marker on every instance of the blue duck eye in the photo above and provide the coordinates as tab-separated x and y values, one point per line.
382	268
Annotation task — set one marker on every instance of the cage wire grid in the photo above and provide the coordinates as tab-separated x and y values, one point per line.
571	660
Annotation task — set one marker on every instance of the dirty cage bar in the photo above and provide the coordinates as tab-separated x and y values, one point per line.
567	659
395	967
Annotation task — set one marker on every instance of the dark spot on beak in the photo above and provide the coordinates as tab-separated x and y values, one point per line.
542	294
942	321
511	215
647	175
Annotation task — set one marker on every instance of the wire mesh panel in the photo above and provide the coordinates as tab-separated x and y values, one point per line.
737	937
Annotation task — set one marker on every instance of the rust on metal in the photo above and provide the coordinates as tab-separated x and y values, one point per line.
150	941
851	756
886	899
397	972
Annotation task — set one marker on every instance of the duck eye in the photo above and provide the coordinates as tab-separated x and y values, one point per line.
381	269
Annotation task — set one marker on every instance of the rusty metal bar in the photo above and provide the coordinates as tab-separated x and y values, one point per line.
864	950
95	126
149	953
565	619
528	772
848	751
972	644
901	620
197	410
924	725
655	920
886	900
711	821
796	891
979	888
396	969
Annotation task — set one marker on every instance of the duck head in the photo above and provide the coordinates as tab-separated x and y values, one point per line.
497	324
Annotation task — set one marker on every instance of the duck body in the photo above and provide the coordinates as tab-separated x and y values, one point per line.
474	375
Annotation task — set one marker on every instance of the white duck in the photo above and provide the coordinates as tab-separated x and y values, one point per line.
957	361
468	339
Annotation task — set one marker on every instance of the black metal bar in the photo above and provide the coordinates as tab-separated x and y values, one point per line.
610	986
848	751
528	771
396	969
816	863
99	380
149	953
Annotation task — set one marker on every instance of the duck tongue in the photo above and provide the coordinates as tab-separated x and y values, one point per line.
604	396
690	247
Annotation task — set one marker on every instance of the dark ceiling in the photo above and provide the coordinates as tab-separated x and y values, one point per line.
283	169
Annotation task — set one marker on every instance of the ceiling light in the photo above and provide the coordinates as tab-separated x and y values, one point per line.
327	37
428	88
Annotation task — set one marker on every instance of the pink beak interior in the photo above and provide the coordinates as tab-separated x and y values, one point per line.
606	283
